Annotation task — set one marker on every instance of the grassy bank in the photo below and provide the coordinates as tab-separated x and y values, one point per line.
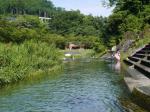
28	58
139	43
84	53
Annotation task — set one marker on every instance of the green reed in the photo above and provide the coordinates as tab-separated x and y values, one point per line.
19	61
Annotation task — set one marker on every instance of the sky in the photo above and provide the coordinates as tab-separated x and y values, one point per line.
87	7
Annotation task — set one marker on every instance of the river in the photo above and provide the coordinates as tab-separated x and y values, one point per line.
85	86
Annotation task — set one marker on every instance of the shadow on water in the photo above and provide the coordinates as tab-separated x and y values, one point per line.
83	86
28	82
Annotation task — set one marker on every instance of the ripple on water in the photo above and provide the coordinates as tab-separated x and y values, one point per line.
83	87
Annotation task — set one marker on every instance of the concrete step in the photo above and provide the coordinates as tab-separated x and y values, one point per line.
145	62
133	83
138	55
142	95
144	52
148	57
139	67
135	74
147	45
135	59
143	69
145	89
128	62
146	48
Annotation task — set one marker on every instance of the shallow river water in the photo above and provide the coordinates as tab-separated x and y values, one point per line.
85	86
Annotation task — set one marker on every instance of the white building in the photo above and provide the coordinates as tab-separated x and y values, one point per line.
44	19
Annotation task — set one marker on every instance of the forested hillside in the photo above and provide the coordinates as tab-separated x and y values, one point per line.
33	7
71	25
63	22
130	17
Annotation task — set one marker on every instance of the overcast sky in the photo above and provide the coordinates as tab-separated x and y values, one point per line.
93	7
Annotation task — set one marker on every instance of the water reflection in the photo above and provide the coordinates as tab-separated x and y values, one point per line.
114	65
88	86
117	66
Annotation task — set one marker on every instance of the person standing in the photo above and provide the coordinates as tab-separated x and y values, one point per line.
117	55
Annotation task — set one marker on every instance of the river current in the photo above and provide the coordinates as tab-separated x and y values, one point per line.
83	86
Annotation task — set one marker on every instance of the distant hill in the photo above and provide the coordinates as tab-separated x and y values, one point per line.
33	7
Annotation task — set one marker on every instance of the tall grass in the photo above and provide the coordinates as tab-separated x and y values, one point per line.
19	61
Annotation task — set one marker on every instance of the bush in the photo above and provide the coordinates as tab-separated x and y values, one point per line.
21	28
18	61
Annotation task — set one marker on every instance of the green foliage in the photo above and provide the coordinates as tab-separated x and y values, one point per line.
23	28
128	15
112	41
24	49
131	23
20	28
73	22
33	7
57	40
19	61
28	45
63	22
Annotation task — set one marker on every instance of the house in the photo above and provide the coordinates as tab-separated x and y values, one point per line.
74	46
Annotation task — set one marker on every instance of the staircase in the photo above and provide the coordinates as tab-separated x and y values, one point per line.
138	76
138	69
140	61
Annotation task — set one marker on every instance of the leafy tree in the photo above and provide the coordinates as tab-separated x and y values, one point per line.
131	23
128	15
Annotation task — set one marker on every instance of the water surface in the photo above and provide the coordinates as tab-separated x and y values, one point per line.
85	86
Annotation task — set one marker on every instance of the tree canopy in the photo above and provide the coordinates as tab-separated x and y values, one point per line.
128	15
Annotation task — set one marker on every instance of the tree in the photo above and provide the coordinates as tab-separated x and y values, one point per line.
128	15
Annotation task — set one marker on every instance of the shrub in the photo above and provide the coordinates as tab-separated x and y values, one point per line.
18	61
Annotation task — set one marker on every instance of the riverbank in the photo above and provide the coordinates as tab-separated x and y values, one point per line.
80	54
19	61
137	71
137	78
137	83
77	53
